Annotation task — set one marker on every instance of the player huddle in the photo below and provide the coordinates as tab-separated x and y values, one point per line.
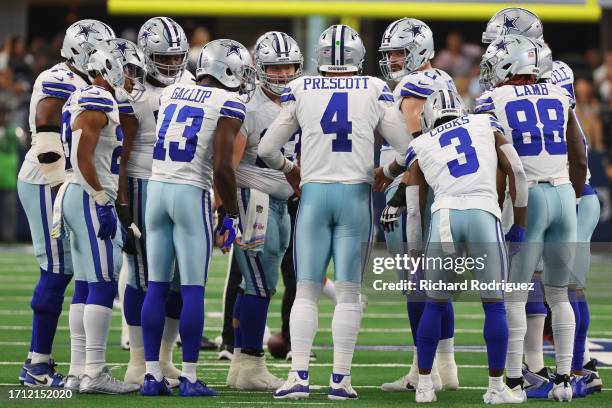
131	153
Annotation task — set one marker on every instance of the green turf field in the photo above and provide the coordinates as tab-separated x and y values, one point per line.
384	323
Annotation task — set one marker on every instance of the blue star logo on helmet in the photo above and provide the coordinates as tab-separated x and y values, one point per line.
146	33
86	30
232	48
510	23
122	48
416	30
502	45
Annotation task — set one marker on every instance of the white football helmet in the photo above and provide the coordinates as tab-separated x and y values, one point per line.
411	36
134	66
508	56
545	60
104	62
339	49
513	20
441	104
165	46
276	48
229	62
81	39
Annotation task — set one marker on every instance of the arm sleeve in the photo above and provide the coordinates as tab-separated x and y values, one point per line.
279	133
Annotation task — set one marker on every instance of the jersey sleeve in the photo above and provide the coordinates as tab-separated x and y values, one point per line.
125	107
234	108
570	98
495	125
57	83
390	124
411	156
564	77
484	103
416	85
96	98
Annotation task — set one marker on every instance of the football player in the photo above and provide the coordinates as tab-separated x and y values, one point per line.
195	137
337	113
92	139
458	158
521	21
165	46
541	111
407	48
278	60
41	174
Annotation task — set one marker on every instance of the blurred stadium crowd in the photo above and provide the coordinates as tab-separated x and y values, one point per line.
21	60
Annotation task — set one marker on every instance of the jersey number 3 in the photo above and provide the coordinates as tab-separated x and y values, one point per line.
464	147
335	121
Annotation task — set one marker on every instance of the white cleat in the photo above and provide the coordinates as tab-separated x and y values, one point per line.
254	375
234	369
402	384
296	386
503	396
72	382
519	393
105	383
340	388
425	394
135	372
447	371
561	392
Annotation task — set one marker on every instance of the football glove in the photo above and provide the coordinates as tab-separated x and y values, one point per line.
107	217
514	237
230	224
394	209
132	233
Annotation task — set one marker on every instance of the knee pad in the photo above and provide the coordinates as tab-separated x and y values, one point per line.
174	304
132	305
48	295
102	293
556	295
347	292
309	290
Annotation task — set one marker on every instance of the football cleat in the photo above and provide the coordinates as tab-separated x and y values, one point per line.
296	386
24	370
340	388
425	393
72	383
254	375
593	382
561	391
503	396
135	373
539	391
579	387
537	385
194	389
225	352
43	375
519	393
402	384
153	388
105	383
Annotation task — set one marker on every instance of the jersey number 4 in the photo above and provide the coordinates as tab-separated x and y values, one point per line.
190	133
335	121
530	123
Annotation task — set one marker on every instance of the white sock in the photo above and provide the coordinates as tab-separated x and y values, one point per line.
446	346
40	358
517	326
425	381
154	369
345	328
534	347
329	290
563	326
30	355
303	326
169	337
587	353
496	383
136	344
96	320
345	325
189	371
77	339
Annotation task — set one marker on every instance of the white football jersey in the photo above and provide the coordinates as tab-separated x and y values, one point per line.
56	82
418	84
459	162
534	119
108	150
188	116
252	171
146	111
338	116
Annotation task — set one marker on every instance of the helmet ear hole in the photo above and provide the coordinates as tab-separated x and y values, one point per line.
108	65
506	66
228	72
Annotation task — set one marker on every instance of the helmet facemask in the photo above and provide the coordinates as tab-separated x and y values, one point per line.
167	67
247	76
135	78
276	83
